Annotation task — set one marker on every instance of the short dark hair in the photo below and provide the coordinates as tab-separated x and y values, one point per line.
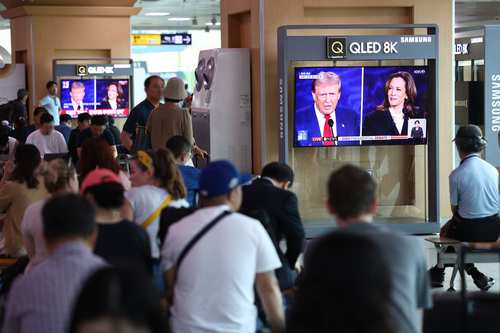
416	121
147	82
46	118
50	84
21	93
178	145
98	120
64	118
351	191
121	293
107	195
84	116
66	216
278	171
324	304
39	109
4	138
6	111
111	120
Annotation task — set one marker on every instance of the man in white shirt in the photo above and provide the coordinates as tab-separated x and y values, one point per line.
213	289
51	102
46	139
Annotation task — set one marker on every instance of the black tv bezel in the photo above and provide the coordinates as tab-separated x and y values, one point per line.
361	121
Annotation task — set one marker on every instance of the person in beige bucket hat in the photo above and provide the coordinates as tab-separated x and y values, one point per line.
174	89
169	119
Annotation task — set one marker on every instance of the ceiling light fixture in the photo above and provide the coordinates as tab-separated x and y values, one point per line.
179	19
208	23
207	29
195	21
218	23
157	14
214	20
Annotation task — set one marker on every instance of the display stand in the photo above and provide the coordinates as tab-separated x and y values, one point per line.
113	69
393	47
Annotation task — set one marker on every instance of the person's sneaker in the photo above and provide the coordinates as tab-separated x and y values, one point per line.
483	282
437	277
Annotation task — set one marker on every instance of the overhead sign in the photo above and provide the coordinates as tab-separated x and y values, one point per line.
469	48
373	47
163	39
462	48
347	47
81	70
146	39
103	70
336	47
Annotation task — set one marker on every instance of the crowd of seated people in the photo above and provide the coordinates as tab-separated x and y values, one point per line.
98	261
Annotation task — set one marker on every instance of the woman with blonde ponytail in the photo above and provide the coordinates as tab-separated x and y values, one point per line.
156	184
59	177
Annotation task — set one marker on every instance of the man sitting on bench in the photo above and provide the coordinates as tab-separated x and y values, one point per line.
474	201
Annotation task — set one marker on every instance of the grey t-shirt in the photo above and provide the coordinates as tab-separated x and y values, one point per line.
408	269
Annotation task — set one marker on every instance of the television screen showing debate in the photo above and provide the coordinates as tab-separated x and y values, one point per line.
361	105
108	97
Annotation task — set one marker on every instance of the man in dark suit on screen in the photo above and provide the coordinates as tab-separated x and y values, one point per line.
324	119
269	194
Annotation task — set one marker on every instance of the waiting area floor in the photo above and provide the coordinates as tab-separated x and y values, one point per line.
490	269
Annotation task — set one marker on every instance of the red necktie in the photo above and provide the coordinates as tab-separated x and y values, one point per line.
327	133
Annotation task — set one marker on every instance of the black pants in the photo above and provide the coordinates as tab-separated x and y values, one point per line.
485	229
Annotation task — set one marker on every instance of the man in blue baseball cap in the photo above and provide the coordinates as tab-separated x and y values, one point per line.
212	259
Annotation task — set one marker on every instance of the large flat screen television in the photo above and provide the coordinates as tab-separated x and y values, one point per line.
108	97
350	106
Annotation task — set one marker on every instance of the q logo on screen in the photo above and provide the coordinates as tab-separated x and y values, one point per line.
336	47
81	70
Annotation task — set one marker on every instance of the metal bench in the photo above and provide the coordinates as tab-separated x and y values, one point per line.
478	255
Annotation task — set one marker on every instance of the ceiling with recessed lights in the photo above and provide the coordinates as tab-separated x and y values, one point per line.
199	13
182	14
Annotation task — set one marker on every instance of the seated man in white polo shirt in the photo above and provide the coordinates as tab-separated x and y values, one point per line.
46	139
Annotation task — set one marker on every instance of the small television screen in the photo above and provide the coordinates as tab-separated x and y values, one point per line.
351	106
108	97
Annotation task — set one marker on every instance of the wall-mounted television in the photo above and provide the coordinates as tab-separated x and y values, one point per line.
108	97
350	106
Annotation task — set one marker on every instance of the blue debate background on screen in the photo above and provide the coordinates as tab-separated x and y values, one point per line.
376	77
362	92
350	96
101	89
88	99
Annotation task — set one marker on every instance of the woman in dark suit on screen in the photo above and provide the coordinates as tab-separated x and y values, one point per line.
391	117
113	99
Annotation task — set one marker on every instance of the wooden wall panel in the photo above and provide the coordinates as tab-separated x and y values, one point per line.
76	37
21	36
297	12
241	28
